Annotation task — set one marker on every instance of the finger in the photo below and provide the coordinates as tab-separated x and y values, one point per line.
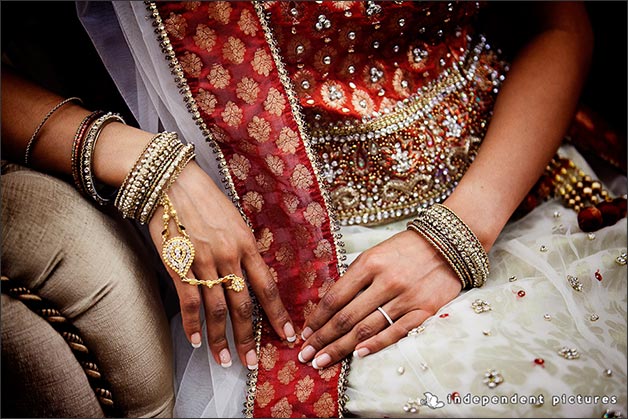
216	310
339	295
189	295
267	292
343	322
190	304
392	334
345	345
241	312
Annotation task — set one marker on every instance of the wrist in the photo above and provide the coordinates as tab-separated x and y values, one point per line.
483	218
116	152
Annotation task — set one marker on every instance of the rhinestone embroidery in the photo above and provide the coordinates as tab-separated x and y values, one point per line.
492	378
569	353
480	306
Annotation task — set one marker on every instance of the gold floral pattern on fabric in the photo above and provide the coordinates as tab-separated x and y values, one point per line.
253	201
283	409
234	50
220	10
285	254
192	5
288	140
301	177
329	372
206	101
247	90
268	356
264	240
309	308
262	62
291	202
308	275
205	37
248	23
314	214
240	166
324	407
265	394
275	102
259	129
304	388
232	115
219	76
176	26
323	250
275	164
191	64
286	374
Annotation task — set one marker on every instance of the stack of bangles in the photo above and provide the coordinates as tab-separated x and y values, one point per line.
144	188
455	241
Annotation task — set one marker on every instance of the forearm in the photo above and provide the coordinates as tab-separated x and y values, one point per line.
531	115
25	104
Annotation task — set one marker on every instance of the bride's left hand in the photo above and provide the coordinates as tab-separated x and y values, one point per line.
403	275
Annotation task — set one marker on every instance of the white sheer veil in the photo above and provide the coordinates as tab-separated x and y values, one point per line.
125	38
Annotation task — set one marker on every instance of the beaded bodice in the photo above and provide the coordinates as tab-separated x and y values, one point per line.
396	97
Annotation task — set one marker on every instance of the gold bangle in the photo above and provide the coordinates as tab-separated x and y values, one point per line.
444	230
31	142
86	156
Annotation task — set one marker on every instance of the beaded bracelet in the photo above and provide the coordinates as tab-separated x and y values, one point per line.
140	177
31	142
453	239
165	180
86	156
162	160
77	144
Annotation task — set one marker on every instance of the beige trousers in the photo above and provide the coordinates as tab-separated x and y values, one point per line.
91	267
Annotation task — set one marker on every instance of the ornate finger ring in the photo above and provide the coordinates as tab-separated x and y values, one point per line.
381	310
209	283
234	282
178	251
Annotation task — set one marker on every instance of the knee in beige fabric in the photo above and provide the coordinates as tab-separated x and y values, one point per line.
91	266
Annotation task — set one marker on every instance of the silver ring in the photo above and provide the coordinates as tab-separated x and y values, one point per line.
381	310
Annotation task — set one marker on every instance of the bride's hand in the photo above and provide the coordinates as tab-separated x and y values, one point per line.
403	275
224	245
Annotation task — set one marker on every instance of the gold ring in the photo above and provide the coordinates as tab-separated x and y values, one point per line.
235	282
209	283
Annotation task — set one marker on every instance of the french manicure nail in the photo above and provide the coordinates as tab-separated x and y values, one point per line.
289	331
361	353
321	361
195	339
306	333
225	358
306	354
251	360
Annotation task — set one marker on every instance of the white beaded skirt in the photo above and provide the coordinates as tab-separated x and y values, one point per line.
551	341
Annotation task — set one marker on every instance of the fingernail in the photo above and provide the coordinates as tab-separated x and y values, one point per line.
306	333
225	358
195	339
251	360
361	353
289	331
306	354
321	361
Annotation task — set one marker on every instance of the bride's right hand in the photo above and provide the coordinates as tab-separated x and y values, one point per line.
224	245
